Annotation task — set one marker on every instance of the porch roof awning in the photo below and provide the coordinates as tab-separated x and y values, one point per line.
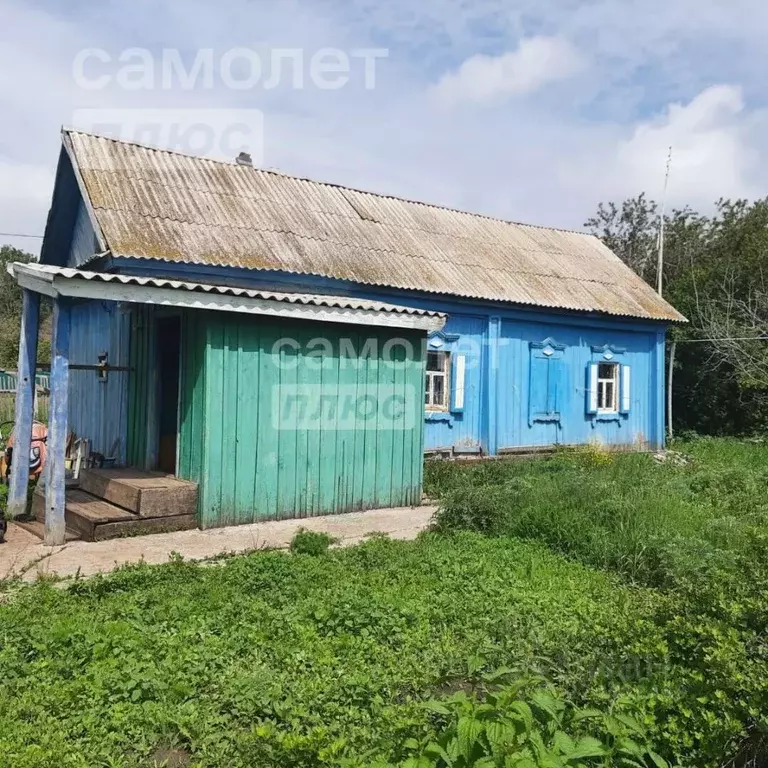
81	284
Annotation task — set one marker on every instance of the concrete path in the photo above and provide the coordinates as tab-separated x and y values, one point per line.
24	555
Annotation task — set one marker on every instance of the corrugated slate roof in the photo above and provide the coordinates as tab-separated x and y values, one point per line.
313	299
156	204
53	274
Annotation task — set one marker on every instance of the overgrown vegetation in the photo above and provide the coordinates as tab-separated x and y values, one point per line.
715	273
311	542
276	660
655	524
512	730
10	314
641	638
696	530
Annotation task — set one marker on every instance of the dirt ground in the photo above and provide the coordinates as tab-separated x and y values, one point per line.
25	556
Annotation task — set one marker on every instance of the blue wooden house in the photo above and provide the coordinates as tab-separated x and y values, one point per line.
193	299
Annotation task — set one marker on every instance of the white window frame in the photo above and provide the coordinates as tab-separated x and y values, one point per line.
431	376
602	386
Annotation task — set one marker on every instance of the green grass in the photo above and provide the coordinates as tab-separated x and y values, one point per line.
8	408
641	588
655	524
332	653
696	531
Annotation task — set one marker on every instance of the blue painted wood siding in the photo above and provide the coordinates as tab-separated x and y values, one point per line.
98	410
461	429
497	406
571	425
517	396
83	245
497	339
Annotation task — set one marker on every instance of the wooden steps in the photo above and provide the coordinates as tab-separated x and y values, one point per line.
37	528
148	494
111	503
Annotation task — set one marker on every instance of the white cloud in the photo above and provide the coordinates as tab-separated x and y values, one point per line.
565	131
25	192
715	144
538	61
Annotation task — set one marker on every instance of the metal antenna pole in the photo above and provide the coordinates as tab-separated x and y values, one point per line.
660	283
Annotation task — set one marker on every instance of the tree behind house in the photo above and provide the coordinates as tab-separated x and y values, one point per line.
715	271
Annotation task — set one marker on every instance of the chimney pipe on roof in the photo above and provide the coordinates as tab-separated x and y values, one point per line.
244	159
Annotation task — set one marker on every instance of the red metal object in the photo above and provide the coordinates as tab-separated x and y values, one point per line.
37	453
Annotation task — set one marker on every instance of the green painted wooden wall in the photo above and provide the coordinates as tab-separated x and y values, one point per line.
248	435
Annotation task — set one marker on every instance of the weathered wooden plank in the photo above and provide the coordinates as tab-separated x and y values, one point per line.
148	494
95	510
192	387
385	437
265	490
347	420
230	413
213	424
143	526
94	519
395	416
302	458
288	423
328	434
358	469
152	428
25	403
37	528
84	512
417	372
247	424
310	378
371	432
304	376
138	387
55	526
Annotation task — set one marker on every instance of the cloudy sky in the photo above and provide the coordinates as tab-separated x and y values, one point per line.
533	110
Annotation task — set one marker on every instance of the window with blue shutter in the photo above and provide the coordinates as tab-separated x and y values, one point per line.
446	374
608	389
547	382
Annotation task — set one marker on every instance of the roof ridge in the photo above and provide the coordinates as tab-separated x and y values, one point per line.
335	185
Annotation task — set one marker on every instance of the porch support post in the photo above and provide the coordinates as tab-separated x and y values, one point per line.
25	403
55	527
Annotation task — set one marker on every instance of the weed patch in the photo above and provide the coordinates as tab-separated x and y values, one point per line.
275	660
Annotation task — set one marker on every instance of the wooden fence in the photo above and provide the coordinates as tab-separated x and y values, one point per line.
8	395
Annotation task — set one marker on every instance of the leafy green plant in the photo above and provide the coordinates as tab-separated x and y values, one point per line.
313	543
269	660
516	727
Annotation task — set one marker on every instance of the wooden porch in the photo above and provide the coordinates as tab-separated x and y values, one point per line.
112	503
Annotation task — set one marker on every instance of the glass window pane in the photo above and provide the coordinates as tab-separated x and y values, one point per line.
433	361
605	371
439	390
